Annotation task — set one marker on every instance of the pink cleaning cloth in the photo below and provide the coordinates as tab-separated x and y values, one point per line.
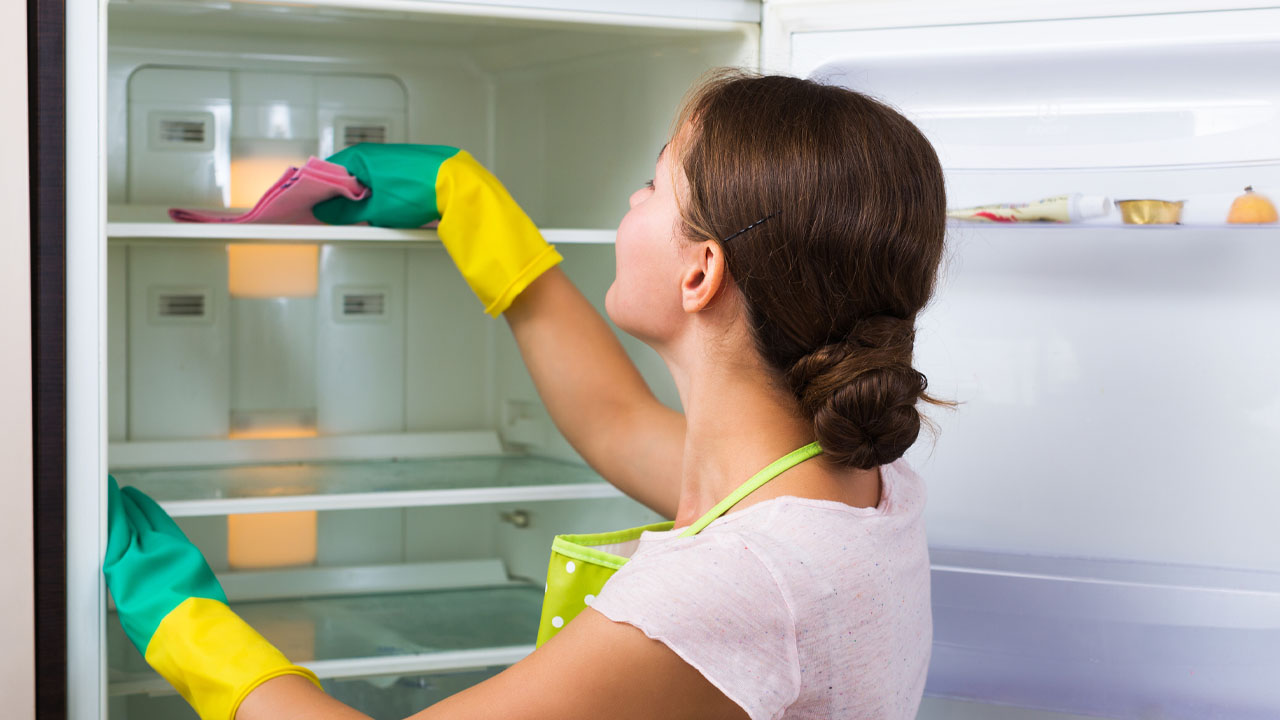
290	199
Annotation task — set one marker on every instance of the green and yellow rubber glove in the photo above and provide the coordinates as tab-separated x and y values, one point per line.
175	612
495	245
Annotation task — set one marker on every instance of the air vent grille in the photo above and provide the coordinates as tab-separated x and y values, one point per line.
363	133
180	305
182	132
179	131
363	304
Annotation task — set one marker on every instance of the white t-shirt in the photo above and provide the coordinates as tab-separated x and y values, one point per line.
794	607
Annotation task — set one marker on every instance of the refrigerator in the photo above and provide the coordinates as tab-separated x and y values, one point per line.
361	456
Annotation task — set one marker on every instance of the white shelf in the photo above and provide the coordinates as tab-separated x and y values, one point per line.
149	223
379	634
1093	227
1106	638
225	232
254	232
210	491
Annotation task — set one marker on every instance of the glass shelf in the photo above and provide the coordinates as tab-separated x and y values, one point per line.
371	635
400	697
1105	638
205	491
382	698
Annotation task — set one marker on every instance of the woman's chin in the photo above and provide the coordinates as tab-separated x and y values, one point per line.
622	315
610	302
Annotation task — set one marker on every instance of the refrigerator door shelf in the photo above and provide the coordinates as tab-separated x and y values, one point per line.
379	634
194	492
1213	233
1104	637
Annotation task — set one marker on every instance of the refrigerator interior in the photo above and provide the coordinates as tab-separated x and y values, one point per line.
329	414
1099	503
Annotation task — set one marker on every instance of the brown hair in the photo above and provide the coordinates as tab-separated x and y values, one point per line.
834	277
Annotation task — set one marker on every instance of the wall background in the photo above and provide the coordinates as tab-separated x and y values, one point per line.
17	590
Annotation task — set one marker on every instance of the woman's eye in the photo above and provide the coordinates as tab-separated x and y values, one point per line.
648	184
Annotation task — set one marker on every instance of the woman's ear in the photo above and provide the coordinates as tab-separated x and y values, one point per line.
704	276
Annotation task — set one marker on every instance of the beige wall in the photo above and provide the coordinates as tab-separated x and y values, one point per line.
17	642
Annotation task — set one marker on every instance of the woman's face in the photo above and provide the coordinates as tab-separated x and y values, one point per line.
644	299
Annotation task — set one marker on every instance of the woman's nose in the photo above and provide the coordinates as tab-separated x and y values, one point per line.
635	197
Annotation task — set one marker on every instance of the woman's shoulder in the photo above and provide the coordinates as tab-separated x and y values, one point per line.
902	497
769	539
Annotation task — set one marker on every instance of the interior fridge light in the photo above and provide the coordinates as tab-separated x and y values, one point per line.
253	174
270	540
272	433
273	271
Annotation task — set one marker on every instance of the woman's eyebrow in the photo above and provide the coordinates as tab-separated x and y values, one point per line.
664	149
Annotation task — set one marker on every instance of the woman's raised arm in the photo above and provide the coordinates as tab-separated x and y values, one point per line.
595	394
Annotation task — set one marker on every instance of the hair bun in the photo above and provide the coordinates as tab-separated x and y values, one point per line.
862	393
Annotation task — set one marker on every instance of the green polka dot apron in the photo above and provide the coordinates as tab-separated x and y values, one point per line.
582	564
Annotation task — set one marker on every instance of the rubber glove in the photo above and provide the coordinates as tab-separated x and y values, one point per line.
175	612
496	247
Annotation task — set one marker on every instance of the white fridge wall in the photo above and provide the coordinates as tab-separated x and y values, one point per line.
449	347
1123	91
576	139
360	359
117	344
190	168
1119	395
180	354
273	367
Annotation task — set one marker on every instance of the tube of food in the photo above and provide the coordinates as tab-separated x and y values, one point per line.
1061	209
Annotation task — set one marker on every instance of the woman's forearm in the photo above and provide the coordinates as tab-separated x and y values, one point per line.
292	697
594	392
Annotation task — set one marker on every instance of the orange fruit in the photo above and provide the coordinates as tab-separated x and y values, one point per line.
1252	207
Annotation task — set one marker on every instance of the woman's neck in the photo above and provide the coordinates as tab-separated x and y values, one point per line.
737	422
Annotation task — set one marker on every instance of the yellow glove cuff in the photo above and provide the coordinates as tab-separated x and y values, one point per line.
497	248
214	659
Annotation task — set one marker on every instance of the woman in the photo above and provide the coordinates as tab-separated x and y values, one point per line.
777	262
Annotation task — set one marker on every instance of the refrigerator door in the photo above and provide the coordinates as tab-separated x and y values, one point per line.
1101	502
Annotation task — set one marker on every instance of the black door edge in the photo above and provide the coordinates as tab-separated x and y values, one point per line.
46	76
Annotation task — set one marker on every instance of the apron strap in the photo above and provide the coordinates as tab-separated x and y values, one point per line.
774	469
